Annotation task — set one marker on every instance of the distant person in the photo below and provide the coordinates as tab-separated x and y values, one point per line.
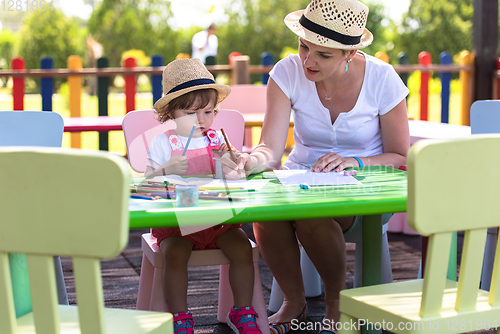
205	43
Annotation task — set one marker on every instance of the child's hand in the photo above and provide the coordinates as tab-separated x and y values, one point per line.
178	164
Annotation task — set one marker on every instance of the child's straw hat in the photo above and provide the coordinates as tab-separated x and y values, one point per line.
338	24
182	76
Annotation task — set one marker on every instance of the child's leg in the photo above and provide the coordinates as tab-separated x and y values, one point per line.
176	252
236	247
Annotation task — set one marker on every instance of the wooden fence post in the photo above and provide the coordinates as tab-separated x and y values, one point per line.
156	86
241	70
130	85
102	101
46	84
75	96
424	59
466	59
266	59
445	59
18	85
382	56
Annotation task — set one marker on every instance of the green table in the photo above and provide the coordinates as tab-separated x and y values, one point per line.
383	190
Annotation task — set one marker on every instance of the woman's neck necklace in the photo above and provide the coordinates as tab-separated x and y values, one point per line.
339	85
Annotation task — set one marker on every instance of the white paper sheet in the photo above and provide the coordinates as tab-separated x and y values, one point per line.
211	183
296	177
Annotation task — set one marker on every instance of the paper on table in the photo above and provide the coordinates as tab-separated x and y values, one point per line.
205	182
297	177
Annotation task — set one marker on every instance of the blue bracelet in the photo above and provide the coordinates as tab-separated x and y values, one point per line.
359	161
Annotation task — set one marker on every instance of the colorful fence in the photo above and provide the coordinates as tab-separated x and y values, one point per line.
239	71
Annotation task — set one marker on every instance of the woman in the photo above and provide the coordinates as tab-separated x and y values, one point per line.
349	111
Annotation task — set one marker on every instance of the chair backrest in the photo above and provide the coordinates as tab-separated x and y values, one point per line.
141	126
52	202
31	128
247	99
447	194
485	116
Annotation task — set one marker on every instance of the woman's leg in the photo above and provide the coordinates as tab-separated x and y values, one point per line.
279	248
236	247
323	240
176	253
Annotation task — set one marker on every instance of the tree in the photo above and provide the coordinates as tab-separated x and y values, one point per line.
49	34
436	26
7	41
121	25
256	26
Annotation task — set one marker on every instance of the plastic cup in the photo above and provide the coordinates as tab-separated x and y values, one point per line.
218	168
187	195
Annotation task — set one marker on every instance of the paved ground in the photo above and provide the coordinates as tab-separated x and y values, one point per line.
121	280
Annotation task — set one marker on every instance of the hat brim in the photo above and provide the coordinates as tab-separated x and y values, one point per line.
292	22
223	91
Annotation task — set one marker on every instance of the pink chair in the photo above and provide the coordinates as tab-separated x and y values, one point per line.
247	99
139	128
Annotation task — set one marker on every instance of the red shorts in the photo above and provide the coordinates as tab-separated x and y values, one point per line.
202	240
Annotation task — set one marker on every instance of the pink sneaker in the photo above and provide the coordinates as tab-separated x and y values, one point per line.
243	320
183	323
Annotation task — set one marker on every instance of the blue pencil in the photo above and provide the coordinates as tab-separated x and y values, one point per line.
189	140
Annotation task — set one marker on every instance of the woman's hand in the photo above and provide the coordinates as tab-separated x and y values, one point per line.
223	148
332	161
178	164
235	170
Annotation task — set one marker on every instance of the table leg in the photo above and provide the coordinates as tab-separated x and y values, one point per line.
372	250
372	254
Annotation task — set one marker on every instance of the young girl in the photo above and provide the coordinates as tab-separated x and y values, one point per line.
190	97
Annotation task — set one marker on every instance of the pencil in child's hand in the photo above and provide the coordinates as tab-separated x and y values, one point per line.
189	140
228	146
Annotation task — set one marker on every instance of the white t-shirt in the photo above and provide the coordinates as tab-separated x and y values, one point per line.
354	133
199	40
160	150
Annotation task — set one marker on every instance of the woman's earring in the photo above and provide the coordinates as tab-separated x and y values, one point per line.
348	61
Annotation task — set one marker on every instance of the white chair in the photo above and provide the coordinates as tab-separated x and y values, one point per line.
485	118
33	128
139	128
312	280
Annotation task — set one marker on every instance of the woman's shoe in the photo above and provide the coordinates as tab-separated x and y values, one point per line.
285	327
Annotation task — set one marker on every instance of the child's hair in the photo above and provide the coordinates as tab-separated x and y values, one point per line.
194	100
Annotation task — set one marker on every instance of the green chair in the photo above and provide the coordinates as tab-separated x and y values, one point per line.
52	202
445	195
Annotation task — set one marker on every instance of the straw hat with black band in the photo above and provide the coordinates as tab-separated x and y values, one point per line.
182	76
338	24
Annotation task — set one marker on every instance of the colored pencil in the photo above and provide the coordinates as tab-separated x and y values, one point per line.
228	146
189	140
